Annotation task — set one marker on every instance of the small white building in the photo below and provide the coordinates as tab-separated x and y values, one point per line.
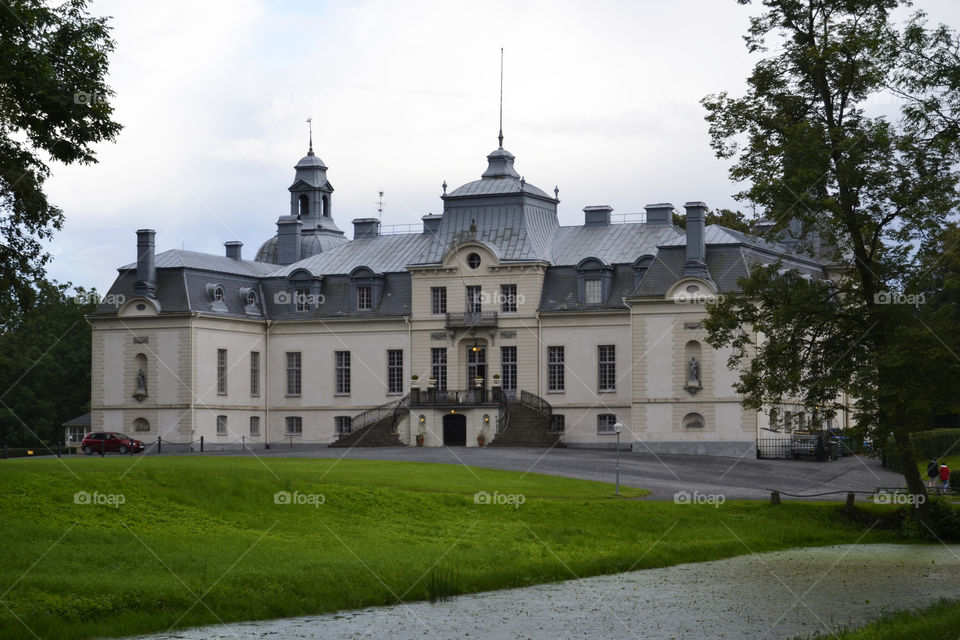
515	327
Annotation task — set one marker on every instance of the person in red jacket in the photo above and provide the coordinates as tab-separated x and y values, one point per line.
945	475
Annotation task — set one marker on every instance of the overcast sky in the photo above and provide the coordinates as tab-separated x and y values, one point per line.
601	99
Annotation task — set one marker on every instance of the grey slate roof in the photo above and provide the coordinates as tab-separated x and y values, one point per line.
614	244
488	186
382	254
310	245
178	258
560	285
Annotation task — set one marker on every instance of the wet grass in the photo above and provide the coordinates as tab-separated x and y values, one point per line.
164	543
938	622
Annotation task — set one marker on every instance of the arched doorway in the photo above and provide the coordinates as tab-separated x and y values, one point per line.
454	430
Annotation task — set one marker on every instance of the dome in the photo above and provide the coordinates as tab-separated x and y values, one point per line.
310	161
310	245
499	178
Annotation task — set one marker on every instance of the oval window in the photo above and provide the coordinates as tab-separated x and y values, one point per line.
473	260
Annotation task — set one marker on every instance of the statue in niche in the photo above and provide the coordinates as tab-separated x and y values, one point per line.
141	382
694	371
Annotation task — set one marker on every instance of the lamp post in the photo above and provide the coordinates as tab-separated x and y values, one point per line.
618	427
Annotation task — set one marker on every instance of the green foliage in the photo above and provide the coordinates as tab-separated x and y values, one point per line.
942	523
724	217
869	194
45	366
211	526
937	622
53	91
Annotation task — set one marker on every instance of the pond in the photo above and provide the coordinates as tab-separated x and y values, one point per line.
782	594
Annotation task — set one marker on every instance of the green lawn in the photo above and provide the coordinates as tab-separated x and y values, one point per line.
938	622
202	540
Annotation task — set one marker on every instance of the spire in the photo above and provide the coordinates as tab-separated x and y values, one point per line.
500	137
310	126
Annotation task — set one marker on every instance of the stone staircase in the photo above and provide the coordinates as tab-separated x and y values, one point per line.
527	427
380	429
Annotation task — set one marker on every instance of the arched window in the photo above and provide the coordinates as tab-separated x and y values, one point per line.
304	206
325	206
693	421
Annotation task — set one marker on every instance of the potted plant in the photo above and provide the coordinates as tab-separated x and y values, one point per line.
496	379
481	439
414	381
419	439
432	382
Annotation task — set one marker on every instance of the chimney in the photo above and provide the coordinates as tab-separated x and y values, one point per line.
696	264
365	228
598	216
288	240
660	213
431	223
233	249
146	283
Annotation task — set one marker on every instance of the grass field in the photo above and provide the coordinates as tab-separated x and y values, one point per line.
938	622
160	543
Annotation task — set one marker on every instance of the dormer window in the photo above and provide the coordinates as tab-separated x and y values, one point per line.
216	295
594	282
364	298
250	300
303	294
592	291
367	288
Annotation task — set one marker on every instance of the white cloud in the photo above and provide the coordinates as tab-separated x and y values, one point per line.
600	98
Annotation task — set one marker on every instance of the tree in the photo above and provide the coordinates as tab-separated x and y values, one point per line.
45	365
724	217
53	91
876	189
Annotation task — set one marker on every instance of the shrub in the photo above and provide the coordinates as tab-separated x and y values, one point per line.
934	443
944	524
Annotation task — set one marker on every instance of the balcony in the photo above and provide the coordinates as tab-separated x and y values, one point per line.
471	319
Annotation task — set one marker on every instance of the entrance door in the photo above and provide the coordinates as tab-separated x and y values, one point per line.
455	430
476	365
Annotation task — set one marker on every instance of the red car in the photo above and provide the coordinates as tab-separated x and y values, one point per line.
109	442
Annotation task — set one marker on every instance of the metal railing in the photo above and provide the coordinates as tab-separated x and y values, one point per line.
454	396
378	413
797	447
472	319
503	419
536	403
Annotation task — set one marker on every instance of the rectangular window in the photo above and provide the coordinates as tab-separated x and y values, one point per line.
558	423
301	298
607	367
394	371
294	426
221	425
555	373
592	291
438	360
293	373
438	300
254	425
221	372
254	373
342	386
364	298
508	298
474	294
508	368
605	422
342	425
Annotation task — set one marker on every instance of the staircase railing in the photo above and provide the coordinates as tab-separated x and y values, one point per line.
378	413
536	403
503	420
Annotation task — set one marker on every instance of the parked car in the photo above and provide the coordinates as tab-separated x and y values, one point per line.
804	446
109	442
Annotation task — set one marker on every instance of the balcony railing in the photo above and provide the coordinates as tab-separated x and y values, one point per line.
451	397
472	319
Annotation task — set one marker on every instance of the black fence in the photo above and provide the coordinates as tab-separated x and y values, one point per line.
796	447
